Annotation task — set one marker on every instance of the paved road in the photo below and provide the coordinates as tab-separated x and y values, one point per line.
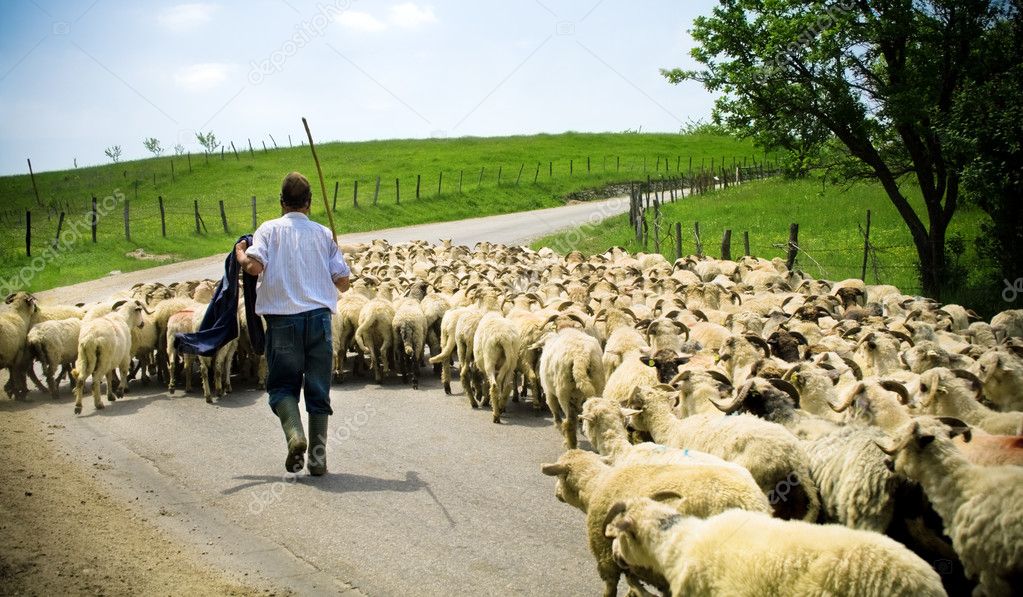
426	495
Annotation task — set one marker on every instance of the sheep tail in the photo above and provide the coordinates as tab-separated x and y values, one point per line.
581	374
446	350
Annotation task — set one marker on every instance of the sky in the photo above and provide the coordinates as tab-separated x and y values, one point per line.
77	77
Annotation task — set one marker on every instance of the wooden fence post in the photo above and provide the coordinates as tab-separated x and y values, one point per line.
264	145
866	248
235	151
790	260
618	163
355	194
60	224
550	169
28	233
273	141
195	205
726	246
251	153
223	217
537	174
657	226
587	164
173	179
93	218
499	170
419	178
163	219
255	222
461	174
397	191
337	185
376	193
127	225
678	241
699	241
480	181
571	167
35	189
440	182
519	177
188	156
745	242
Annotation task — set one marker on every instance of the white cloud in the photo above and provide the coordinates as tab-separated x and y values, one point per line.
361	21
202	77
184	17
410	16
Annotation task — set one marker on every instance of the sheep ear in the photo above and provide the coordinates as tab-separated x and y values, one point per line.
554	470
615	510
629	412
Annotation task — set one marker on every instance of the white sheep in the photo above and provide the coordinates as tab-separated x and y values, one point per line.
571	370
448	344
979	505
496	353
14	325
409	328
948	393
375	335
694	488
741	552
344	323
775	457
1001	372
55	343
104	347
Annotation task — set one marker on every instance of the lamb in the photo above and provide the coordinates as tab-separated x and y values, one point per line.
774	457
409	327
1002	375
14	326
747	553
954	394
696	489
571	370
104	346
375	336
979	505
496	354
55	343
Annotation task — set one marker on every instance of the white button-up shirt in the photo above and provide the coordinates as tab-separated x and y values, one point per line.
300	262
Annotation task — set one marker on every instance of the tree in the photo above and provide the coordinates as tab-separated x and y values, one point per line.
884	79
179	149
153	145
113	152
208	141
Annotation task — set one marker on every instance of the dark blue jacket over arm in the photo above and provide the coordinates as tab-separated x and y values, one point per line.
220	324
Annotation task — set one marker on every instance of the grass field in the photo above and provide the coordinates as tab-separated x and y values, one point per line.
829	221
612	158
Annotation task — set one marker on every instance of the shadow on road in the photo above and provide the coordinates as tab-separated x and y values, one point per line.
335	483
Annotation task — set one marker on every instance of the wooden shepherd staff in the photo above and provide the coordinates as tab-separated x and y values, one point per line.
323	187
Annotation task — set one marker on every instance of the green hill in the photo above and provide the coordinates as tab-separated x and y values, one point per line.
475	177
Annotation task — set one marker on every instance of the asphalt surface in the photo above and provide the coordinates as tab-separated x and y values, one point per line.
425	496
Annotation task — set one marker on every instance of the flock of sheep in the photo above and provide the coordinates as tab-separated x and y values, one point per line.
756	431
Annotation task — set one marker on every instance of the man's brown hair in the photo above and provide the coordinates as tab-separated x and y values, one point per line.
295	191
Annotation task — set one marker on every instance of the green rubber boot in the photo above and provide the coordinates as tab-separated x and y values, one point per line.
291	422
318	445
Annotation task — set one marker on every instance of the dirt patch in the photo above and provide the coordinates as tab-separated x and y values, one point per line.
141	255
60	533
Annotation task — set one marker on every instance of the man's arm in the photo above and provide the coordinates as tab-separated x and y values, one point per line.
249	265
342	283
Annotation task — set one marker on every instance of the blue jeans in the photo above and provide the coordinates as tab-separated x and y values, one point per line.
300	355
